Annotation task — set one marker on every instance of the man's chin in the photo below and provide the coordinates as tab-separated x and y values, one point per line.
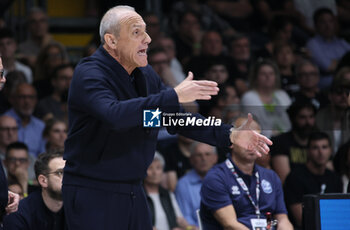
142	62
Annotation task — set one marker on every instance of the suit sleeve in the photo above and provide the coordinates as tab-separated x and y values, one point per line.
92	94
213	135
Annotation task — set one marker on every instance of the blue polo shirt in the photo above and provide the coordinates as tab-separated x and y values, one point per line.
221	189
31	134
187	195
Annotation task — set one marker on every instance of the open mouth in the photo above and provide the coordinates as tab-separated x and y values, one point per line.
142	52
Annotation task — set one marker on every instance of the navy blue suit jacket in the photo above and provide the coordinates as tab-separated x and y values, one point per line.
106	139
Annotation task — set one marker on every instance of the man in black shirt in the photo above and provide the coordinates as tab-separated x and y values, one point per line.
311	178
289	149
42	210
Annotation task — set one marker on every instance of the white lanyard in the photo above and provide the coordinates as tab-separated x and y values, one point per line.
245	188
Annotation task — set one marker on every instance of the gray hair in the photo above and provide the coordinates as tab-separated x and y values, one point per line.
160	158
110	22
195	144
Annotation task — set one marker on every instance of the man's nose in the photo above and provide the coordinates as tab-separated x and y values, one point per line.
147	39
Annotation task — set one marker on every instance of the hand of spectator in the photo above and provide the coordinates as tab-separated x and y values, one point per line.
190	90
246	138
13	201
22	176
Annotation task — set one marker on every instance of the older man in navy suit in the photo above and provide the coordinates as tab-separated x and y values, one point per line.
108	150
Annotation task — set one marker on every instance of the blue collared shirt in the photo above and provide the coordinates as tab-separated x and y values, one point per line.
220	188
31	134
323	52
187	194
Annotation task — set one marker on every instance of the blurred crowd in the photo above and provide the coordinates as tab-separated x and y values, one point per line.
286	62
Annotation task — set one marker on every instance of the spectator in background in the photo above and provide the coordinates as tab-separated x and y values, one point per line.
229	102
308	77
239	50
8	46
217	71
188	37
289	149
166	214
160	62
153	27
225	204
265	100
308	8
16	188
17	163
285	59
236	13
208	18
203	158
267	9
343	73
55	105
326	48
13	78
311	178
227	96
42	209
212	48
177	162
280	32
38	28
30	128
168	44
55	133
334	119
8	133
51	56
341	163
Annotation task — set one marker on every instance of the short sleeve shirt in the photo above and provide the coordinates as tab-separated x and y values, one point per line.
285	144
220	188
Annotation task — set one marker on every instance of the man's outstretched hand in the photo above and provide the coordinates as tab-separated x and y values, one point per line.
246	138
190	90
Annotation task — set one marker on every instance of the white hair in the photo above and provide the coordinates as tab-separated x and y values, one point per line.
110	22
195	144
160	158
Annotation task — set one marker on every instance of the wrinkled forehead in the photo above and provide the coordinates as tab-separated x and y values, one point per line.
131	20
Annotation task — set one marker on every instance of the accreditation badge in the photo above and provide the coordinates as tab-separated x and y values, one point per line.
258	224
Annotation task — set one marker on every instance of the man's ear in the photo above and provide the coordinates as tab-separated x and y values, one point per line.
110	40
42	179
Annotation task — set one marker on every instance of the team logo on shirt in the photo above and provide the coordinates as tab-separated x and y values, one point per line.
235	190
266	186
151	118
